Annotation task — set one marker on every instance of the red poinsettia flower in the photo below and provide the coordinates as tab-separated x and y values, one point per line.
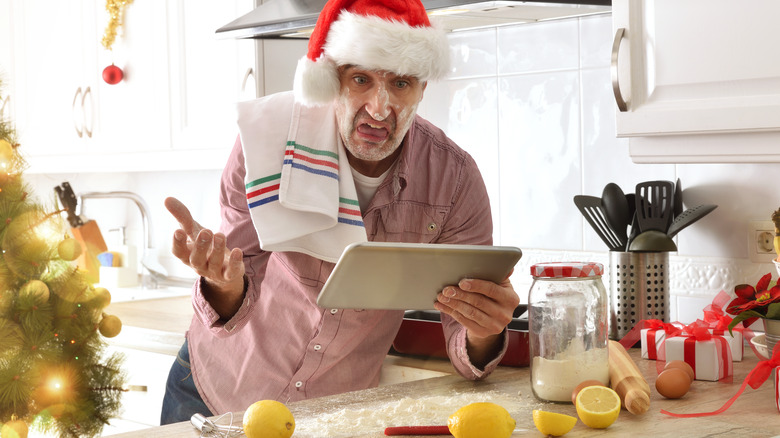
754	298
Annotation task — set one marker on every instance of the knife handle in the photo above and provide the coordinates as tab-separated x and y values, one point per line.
417	430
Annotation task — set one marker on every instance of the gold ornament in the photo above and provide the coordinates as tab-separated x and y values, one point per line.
6	154
37	289
101	297
14	429
110	325
69	249
116	15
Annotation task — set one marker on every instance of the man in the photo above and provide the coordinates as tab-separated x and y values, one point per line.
257	331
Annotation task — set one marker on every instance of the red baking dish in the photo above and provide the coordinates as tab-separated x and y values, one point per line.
421	335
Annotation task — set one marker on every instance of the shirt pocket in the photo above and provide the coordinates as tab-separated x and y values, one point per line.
307	270
406	222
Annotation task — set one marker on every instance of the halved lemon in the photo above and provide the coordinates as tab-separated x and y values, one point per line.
551	423
598	406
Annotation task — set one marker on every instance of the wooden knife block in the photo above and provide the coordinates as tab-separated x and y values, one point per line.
92	244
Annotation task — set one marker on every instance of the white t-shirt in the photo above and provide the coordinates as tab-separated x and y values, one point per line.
366	186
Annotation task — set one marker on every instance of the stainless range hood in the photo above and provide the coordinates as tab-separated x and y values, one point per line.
296	18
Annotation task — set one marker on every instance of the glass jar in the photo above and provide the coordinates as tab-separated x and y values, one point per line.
568	328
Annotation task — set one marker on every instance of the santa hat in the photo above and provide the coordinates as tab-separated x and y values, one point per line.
391	35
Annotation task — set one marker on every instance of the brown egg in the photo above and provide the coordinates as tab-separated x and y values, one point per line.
683	365
583	384
673	383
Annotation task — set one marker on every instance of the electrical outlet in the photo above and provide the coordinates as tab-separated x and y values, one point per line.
761	235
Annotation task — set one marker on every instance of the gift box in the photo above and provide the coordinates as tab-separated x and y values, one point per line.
709	355
735	342
652	340
652	333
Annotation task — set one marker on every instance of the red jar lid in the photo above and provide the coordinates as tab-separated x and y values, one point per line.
567	269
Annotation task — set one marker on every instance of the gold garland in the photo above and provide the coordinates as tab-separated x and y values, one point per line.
116	13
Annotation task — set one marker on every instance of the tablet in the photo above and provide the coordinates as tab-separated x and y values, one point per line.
408	276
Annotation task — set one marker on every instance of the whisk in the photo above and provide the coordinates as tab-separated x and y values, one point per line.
213	429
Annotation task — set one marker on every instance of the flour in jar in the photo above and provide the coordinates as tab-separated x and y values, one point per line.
555	379
372	419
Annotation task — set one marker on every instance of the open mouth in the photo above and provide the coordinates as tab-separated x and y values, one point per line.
371	132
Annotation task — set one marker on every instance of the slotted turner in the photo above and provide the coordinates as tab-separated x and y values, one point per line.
654	205
591	209
688	217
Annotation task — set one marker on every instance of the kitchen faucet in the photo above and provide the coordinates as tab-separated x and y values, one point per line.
156	272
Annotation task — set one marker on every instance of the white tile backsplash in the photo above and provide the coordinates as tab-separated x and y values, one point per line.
538	47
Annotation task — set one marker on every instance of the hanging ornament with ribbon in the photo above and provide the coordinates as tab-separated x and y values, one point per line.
116	12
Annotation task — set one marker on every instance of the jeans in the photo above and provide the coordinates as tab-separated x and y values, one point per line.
181	399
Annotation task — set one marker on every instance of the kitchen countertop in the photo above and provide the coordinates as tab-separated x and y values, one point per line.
754	414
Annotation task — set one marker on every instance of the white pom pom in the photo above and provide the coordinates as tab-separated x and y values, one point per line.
316	83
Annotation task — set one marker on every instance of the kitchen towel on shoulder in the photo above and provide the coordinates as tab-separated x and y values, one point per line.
299	186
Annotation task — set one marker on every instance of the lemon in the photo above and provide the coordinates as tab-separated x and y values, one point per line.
481	420
268	419
550	423
598	406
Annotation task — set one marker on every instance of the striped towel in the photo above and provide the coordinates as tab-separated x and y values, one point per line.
299	186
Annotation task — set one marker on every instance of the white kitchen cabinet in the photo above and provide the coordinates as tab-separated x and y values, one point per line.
173	109
54	91
700	79
210	74
64	109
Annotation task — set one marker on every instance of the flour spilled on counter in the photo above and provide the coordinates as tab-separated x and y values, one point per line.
374	418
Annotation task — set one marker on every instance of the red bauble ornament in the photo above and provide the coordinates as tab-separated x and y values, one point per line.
112	74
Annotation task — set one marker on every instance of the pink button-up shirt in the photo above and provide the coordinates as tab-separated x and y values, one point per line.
280	345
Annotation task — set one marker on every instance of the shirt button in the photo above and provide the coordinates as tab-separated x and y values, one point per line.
317	347
298	384
334	311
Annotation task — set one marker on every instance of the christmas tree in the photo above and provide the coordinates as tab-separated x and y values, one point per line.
55	376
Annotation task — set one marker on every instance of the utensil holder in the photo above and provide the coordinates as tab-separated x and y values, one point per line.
639	289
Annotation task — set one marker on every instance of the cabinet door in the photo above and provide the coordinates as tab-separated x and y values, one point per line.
51	44
212	74
697	66
134	115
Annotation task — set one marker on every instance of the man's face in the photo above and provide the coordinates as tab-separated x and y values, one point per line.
374	110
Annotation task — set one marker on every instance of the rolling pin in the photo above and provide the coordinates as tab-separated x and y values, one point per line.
627	381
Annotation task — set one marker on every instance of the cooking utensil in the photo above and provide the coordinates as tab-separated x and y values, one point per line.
591	209
652	241
616	210
210	428
688	217
86	232
677	204
654	205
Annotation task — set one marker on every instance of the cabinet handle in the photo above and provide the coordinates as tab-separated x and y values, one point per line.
249	73
78	128
621	103
84	101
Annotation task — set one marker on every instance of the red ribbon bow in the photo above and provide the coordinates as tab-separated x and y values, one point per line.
715	316
634	335
698	331
755	379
